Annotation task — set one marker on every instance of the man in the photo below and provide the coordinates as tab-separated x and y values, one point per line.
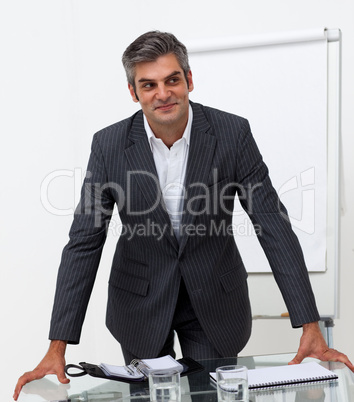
173	170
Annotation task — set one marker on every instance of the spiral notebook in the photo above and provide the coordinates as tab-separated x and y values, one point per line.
286	375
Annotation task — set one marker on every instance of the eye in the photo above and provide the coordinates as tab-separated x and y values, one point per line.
173	80
148	85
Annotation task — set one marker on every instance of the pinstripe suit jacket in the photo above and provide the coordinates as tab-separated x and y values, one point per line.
148	264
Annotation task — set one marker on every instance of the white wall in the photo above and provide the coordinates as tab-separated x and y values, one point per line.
61	80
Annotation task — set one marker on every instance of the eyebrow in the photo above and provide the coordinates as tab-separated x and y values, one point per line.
166	78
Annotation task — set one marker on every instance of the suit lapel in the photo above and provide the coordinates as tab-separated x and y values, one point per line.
141	162
201	152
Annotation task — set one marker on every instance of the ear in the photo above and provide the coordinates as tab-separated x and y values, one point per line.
132	93
190	81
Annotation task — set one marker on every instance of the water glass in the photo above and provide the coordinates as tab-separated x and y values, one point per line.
165	386
232	383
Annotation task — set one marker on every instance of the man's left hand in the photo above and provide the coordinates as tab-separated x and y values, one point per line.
312	344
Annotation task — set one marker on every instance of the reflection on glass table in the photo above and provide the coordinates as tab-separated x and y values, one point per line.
196	387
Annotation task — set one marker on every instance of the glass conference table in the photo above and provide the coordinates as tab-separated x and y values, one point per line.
196	387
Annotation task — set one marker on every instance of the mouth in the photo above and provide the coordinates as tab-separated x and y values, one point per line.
166	107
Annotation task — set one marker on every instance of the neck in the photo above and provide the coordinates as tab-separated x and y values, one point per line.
169	134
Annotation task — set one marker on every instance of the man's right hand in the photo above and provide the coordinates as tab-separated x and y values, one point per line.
52	363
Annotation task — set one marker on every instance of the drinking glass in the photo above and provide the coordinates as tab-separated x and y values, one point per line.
232	383
165	386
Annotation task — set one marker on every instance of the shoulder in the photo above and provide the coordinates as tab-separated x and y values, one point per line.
120	128
116	135
220	120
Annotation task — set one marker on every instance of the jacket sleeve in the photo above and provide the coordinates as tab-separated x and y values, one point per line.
81	256
279	242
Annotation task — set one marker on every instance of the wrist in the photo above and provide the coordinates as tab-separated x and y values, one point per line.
58	346
310	325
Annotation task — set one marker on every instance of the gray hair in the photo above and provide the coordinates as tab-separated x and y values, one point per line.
149	47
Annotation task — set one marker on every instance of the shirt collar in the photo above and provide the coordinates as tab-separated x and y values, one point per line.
187	131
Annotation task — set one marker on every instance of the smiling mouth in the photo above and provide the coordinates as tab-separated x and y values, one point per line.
166	107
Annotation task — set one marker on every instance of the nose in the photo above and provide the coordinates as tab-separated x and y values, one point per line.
162	92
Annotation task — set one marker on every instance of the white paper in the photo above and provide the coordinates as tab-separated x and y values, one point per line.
163	363
121	371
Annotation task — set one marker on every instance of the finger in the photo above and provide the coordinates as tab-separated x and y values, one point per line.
62	377
335	355
17	391
26	378
295	360
16	394
298	358
350	365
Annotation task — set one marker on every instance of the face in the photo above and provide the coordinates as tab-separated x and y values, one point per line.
163	92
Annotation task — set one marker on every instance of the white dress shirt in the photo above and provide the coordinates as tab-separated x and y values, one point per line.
171	164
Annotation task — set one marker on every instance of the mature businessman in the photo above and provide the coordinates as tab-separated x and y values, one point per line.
173	169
